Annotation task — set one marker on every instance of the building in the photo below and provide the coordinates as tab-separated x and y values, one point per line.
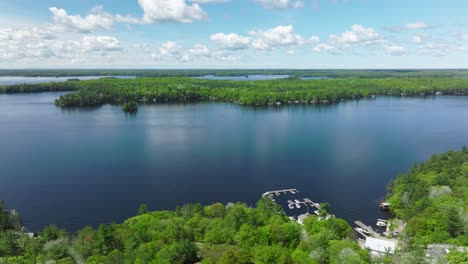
380	245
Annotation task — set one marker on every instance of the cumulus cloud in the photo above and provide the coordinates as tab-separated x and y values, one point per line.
323	47
96	19
226	55
359	37
281	36
231	41
357	34
171	49
200	50
38	44
281	4
100	43
208	1
435	48
417	39
417	26
179	11
395	50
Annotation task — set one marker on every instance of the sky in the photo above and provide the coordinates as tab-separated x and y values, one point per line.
192	34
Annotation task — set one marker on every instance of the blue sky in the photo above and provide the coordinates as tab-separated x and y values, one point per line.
233	34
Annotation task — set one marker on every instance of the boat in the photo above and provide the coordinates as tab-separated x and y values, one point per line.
290	201
297	201
384	206
298	206
291	206
381	223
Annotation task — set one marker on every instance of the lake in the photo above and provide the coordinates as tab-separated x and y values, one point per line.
11	80
77	167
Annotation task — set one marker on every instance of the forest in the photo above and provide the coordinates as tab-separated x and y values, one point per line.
232	233
433	199
259	93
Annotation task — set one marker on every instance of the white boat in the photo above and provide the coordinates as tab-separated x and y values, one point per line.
381	223
290	201
298	206
297	201
291	206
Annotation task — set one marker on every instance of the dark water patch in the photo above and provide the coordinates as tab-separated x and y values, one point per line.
89	166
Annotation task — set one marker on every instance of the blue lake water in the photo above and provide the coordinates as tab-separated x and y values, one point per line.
80	167
10	80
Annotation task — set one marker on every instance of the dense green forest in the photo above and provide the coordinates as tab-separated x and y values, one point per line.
335	73
270	92
433	199
216	233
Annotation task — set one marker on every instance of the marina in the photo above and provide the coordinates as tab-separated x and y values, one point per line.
279	192
299	208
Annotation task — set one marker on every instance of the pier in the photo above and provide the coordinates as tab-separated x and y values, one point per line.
365	231
279	192
306	202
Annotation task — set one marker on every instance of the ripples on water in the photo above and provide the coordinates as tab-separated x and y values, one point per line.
80	167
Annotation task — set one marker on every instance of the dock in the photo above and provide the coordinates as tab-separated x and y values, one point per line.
362	226
279	192
306	202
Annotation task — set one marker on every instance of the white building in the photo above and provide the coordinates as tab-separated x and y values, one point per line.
380	245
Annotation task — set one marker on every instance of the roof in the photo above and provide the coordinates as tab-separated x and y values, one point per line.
301	218
380	245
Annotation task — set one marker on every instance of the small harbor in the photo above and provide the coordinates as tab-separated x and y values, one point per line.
383	239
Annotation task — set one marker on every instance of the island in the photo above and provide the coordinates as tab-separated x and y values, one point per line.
255	93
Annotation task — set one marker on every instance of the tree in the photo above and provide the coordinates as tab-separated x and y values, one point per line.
52	232
143	209
3	216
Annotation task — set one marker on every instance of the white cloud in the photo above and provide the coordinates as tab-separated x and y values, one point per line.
281	36
97	19
225	55
39	45
435	48
418	39
357	34
179	11
323	47
231	41
281	4
395	50
199	50
100	43
464	37
417	26
208	1
169	48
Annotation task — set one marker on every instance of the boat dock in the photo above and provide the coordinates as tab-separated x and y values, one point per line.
279	192
364	230
305	202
